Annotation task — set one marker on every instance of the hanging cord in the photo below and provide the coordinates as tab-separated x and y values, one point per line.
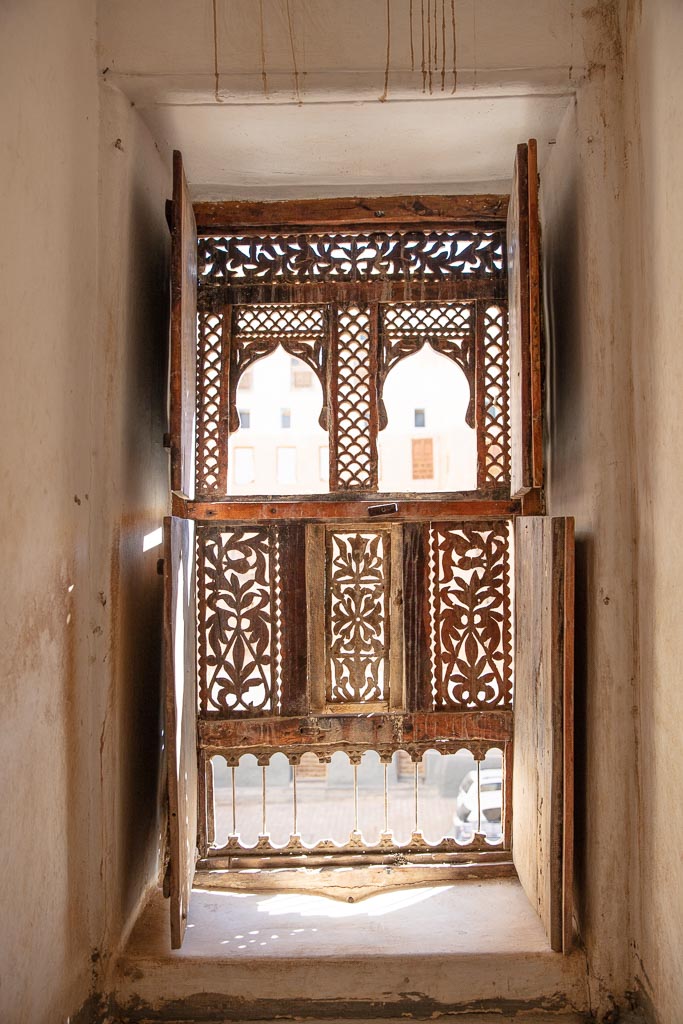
264	76
424	69
412	49
215	53
383	97
443	45
455	50
429	43
291	46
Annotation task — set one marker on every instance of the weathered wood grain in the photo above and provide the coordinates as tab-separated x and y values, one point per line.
321	508
180	715
524	313
294	619
353	213
183	334
367	731
543	762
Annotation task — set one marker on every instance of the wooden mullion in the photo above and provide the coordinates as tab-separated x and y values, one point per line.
480	390
224	415
293	619
373	370
385	212
332	396
418	671
202	803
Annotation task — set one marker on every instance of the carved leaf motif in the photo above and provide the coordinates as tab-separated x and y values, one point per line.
346	257
237	619
357	625
471	614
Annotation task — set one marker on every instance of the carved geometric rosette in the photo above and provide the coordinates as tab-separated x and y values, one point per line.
238	613
209	462
244	261
357	615
353	440
496	418
447	326
258	330
470	614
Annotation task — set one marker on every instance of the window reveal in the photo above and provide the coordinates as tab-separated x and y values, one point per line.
450	687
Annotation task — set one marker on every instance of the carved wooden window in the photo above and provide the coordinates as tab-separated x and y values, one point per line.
369	632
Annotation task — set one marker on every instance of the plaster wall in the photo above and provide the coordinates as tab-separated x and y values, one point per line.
48	313
129	387
590	476
611	195
83	247
653	269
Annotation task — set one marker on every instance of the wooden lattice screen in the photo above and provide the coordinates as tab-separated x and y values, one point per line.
352	621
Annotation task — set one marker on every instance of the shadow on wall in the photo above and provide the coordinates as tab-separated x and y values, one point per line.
136	584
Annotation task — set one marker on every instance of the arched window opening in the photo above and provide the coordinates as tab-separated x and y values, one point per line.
278	444
427	445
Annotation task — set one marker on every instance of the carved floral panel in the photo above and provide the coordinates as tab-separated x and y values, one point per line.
471	642
238	586
357	615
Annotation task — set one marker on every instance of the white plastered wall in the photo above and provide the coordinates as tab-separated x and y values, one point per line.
83	309
612	201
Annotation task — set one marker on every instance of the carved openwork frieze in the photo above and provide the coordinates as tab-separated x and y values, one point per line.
377	255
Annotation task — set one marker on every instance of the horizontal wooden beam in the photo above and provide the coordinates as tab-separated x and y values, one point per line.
416	730
352	214
346	509
213	297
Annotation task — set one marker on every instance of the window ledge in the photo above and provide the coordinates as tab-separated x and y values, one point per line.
470	946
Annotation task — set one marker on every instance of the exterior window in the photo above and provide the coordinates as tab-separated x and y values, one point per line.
420	418
245	419
244	465
286	466
423	458
285	418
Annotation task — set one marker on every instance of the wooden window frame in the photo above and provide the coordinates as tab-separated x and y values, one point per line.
305	731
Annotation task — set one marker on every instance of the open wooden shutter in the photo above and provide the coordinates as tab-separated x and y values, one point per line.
181	711
524	295
543	791
183	334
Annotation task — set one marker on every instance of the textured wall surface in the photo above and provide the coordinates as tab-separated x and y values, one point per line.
653	270
48	315
83	314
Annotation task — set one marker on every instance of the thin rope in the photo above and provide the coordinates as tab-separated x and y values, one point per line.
383	97
455	49
443	45
291	46
412	50
429	42
424	69
264	76
436	35
215	53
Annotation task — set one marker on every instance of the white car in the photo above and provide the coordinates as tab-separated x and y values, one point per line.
465	821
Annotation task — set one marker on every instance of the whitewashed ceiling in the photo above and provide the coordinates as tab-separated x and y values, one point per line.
301	100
